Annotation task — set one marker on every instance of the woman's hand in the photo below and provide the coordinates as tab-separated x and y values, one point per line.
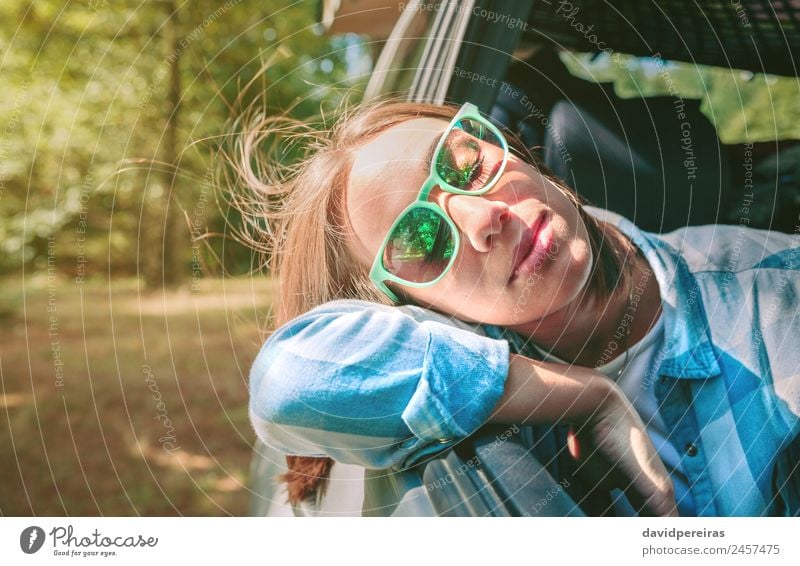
614	451
616	448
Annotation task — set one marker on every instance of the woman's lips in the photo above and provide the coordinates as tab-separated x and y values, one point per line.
534	248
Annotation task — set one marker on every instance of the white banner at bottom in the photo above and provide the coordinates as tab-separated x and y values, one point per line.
386	542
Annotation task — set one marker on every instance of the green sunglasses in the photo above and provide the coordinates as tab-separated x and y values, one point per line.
423	242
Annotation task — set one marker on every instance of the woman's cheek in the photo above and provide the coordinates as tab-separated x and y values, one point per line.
580	263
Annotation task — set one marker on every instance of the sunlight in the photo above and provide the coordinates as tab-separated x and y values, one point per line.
14	400
179	459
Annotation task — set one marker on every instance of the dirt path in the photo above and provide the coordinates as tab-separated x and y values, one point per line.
118	402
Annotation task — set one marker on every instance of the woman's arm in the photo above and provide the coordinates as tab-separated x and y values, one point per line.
617	449
543	392
369	385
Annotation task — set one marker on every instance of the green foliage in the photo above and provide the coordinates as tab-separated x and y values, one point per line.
83	121
744	107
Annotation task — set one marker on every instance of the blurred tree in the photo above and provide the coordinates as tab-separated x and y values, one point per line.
112	112
162	264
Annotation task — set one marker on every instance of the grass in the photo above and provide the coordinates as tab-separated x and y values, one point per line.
119	401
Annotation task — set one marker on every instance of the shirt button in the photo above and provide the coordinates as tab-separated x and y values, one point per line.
691	449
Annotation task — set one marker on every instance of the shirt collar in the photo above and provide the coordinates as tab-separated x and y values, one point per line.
688	350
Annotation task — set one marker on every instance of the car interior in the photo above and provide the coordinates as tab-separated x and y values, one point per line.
628	155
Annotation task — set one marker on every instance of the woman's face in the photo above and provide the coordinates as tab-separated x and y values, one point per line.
524	251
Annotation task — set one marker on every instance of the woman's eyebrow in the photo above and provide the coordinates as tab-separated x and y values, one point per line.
431	151
460	140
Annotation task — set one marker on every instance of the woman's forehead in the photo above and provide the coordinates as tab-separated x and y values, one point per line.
387	173
403	147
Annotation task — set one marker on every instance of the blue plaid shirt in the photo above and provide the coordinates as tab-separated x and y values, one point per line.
384	387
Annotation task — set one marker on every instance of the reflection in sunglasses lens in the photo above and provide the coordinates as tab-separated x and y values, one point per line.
421	246
462	160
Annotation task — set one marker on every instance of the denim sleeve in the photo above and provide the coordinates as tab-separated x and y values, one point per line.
372	385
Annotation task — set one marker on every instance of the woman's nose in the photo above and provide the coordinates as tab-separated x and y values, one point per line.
478	218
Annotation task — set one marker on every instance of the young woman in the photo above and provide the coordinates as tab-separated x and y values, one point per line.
672	356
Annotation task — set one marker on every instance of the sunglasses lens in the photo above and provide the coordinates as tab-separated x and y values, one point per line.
420	247
469	155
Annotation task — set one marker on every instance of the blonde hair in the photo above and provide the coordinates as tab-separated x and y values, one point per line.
293	216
